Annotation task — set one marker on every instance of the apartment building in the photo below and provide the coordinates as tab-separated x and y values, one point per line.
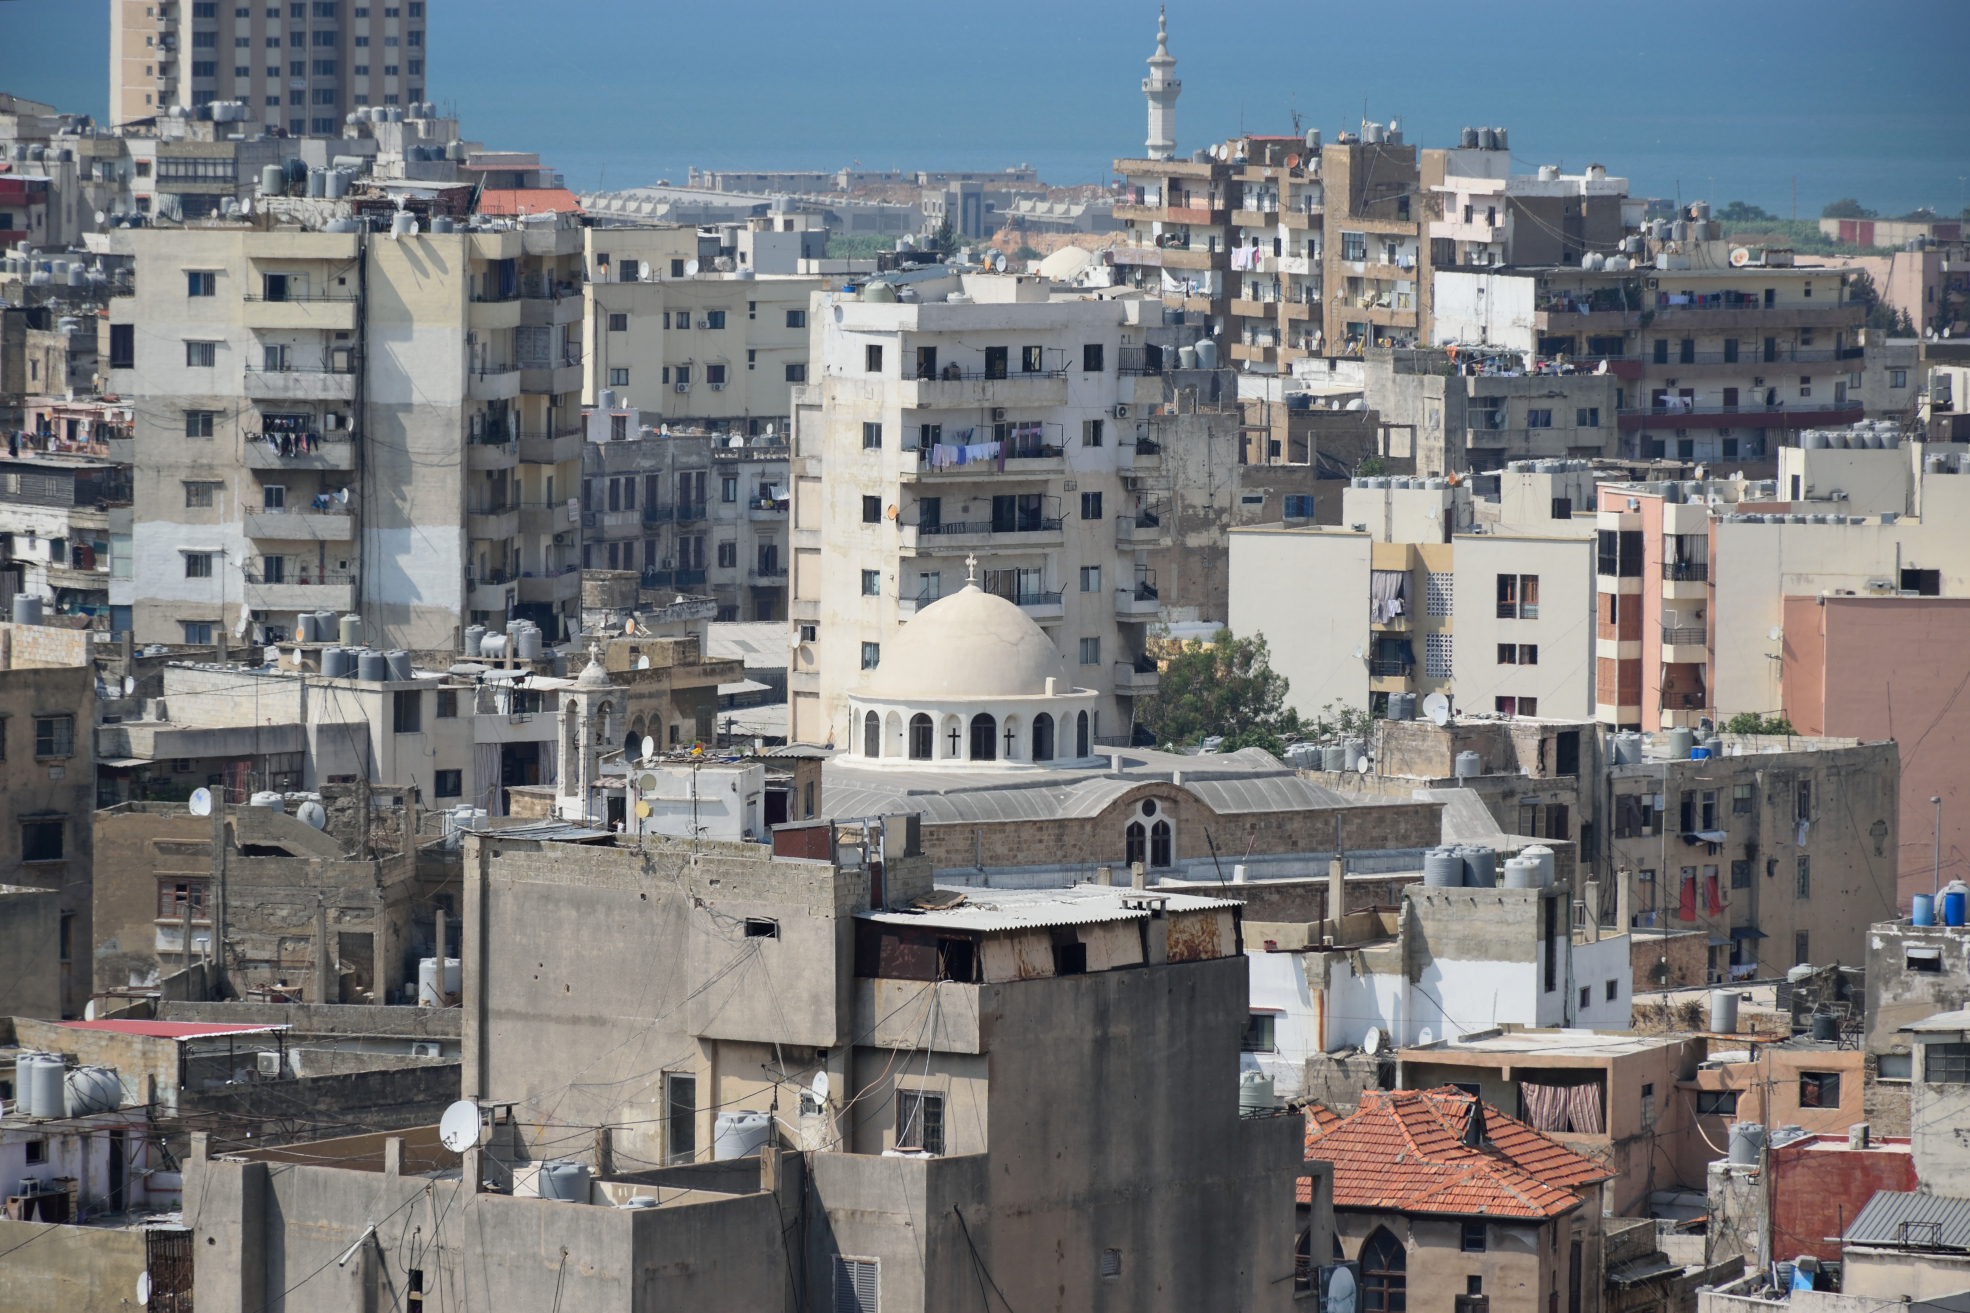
1781	848
1715	361
979	427
60	514
1484	214
351	421
1467	411
1405	597
299	67
688	345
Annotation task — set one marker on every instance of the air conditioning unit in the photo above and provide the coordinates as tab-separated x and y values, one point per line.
426	1048
1131	483
717	387
1881	586
1121	410
704	323
998	413
269	1064
560	539
683	387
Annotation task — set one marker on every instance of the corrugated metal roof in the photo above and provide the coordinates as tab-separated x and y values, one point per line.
1942	1022
1925	1221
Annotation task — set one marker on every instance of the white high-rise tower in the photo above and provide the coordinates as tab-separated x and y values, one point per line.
1161	91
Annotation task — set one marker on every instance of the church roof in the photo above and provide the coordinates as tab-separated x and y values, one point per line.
970	644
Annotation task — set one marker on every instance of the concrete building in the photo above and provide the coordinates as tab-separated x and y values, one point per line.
1802	1195
297	379
1814	1085
1440	1198
61	514
1913	973
1487	215
1482	413
1784	846
297	69
30	935
1384	613
933	445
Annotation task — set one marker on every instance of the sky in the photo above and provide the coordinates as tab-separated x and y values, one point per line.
1687	98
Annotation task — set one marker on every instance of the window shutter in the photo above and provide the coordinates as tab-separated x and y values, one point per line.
855	1285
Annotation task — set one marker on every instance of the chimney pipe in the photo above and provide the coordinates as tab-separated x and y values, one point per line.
1137	878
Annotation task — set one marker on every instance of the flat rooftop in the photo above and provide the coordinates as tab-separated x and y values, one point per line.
1545	1043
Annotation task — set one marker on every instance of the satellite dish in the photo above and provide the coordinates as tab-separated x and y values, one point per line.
629	625
649	750
312	813
1361	766
1777	632
129	685
143	1278
893	511
819	1089
647	783
1371	1043
642	809
1425	1037
343	496
200	802
690	268
1437	708
459	1128
999	262
1340	1291
1359	651
1740	257
642	663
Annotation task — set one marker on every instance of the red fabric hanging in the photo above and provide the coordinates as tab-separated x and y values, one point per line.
1686	911
1710	897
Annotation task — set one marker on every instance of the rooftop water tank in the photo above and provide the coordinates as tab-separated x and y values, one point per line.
1402	706
1541	858
304	628
1480	866
473	633
1352	751
1826	1027
564	1182
350	630
1469	764
1207	354
399	666
427	981
1333	757
335	662
529	643
493	645
1443	868
403	224
27	609
1677	742
443	223
336	185
42	1086
1723	1011
1521	874
1468	139
372	667
273	180
1187	357
1254	1093
1747	1141
268	799
740	1134
92	1089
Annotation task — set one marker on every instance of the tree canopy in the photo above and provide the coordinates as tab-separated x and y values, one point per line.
1751	722
1741	212
1225	687
1847	208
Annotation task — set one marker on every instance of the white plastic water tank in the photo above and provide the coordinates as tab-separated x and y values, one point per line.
740	1134
1521	874
1542	858
564	1181
43	1087
272	801
92	1089
1747	1138
427	981
1468	764
1723	1011
1255	1093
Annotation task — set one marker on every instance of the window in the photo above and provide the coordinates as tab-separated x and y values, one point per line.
1716	1103
1801	948
714	319
413	38
408	711
122	346
1259	1033
761	927
1354	246
448	784
198	423
1384	1278
1299	507
797	373
1508	654
920	1121
1613	990
872	510
872	358
1539	419
201	283
1898	378
1944	1064
1437	654
1740	875
1091	358
855	1285
871	434
198	565
41	841
681	1119
872	583
1518	597
1473	1237
1819	1089
198	633
201	355
325	68
922	737
1648	1106
1587	417
1804	885
1091	505
796	319
871	655
1740	800
1090	433
54	736
1090	578
618	323
1091	651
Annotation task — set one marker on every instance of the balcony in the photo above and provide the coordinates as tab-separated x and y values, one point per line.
1037	531
1831	414
1686	571
753	450
492	451
301	526
323	312
1137	603
1390	668
1024	460
301	383
493	314
562	585
1140	531
688	578
973	389
67	577
293	591
550	448
492	382
551	379
497	523
1685	645
1038	605
769	575
1135	679
548	312
690	512
545	517
300	451
768	512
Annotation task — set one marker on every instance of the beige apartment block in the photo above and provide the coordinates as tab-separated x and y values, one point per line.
350	421
300	67
1403	597
1062	524
687	345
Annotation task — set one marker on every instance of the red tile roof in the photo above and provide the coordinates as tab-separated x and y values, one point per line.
170	1029
527	200
1403	1150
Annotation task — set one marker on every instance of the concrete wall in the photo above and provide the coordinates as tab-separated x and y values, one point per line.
71	1267
1898	995
1562	681
296	1111
53	789
1522	1266
1937	1113
1308	594
30	943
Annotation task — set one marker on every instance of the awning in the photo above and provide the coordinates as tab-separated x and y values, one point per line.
123	761
1923	954
1748	932
1713	836
1718	941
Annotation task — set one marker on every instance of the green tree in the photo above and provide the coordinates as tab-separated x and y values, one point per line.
1751	722
1370	466
946	237
1741	212
1225	687
1847	208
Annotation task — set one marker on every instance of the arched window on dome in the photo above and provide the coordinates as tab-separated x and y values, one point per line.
923	738
953	737
984	737
1081	744
1009	739
872	735
1134	843
1159	844
1043	737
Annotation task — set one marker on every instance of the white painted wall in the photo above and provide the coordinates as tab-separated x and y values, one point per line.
1563	679
1307	592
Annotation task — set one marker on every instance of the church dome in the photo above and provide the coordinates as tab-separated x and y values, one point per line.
971	644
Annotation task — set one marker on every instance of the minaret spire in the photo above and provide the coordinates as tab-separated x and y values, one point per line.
1161	90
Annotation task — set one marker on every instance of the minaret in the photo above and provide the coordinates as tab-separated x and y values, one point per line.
1161	91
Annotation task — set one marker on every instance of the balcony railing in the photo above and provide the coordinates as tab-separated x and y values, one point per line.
265	368
955	374
298	578
1753	354
301	296
1684	636
298	445
490	437
1145	360
1390	669
1022	598
1033	524
768	572
687	511
1686	571
685	578
659	512
1780	408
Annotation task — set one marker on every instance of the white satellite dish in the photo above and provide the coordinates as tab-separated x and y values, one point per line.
690	268
1437	708
642	663
999	262
649	750
1777	632
200	802
1340	1291
459	1128
1425	1036
819	1089
343	496
1361	766
1371	1043
312	813
129	685
1359	652
143	1278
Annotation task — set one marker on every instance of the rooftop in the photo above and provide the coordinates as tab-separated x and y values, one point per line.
171	1029
1912	1219
1550	1043
1032	909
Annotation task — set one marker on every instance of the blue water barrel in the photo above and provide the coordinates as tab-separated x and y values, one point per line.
1924	910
